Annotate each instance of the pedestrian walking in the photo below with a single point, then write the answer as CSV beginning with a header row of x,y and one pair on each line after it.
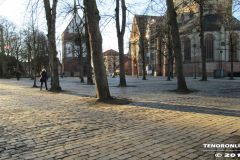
x,y
43,78
18,75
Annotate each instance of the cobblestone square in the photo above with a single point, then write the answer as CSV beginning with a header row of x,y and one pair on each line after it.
x,y
157,124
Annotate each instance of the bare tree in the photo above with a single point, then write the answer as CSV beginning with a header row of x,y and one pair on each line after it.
x,y
204,71
182,86
95,38
88,49
80,36
120,34
51,21
9,31
2,56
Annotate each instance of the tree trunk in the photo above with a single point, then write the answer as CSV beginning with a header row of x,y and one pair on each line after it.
x,y
232,52
29,66
159,57
80,68
170,52
95,38
35,65
34,54
143,58
80,51
80,60
182,86
114,66
51,21
89,66
172,58
120,35
32,69
169,70
204,72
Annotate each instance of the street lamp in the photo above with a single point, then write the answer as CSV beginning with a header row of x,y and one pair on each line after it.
x,y
220,62
7,76
194,46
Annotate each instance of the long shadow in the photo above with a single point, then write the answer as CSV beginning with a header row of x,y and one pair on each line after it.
x,y
193,109
72,93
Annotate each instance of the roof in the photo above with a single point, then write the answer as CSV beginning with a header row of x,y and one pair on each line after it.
x,y
72,20
211,22
142,20
110,52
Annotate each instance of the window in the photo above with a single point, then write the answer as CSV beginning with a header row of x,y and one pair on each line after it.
x,y
69,51
209,47
187,49
234,44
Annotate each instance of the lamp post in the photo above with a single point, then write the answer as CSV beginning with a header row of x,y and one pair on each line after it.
x,y
220,63
7,48
194,46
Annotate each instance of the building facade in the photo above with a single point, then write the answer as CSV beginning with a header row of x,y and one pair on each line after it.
x,y
221,30
111,61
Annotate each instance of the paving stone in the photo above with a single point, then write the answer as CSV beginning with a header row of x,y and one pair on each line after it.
x,y
192,156
151,127
125,156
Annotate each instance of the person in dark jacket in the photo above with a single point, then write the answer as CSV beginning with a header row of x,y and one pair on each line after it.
x,y
44,78
18,75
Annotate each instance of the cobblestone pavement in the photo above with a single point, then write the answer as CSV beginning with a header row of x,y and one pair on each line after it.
x,y
158,124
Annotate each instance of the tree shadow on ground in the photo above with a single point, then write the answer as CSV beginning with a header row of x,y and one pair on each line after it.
x,y
193,109
94,102
189,91
83,83
70,93
124,86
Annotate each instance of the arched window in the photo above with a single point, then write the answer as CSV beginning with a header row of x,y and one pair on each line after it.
x,y
187,49
233,43
209,47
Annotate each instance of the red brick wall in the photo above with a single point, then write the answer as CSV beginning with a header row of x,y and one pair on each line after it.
x,y
71,64
210,67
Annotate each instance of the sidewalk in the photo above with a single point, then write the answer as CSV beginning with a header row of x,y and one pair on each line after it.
x,y
158,124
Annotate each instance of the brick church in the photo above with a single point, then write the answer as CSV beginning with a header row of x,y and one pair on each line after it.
x,y
217,33
71,48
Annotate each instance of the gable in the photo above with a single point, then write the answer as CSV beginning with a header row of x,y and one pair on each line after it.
x,y
135,31
71,25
